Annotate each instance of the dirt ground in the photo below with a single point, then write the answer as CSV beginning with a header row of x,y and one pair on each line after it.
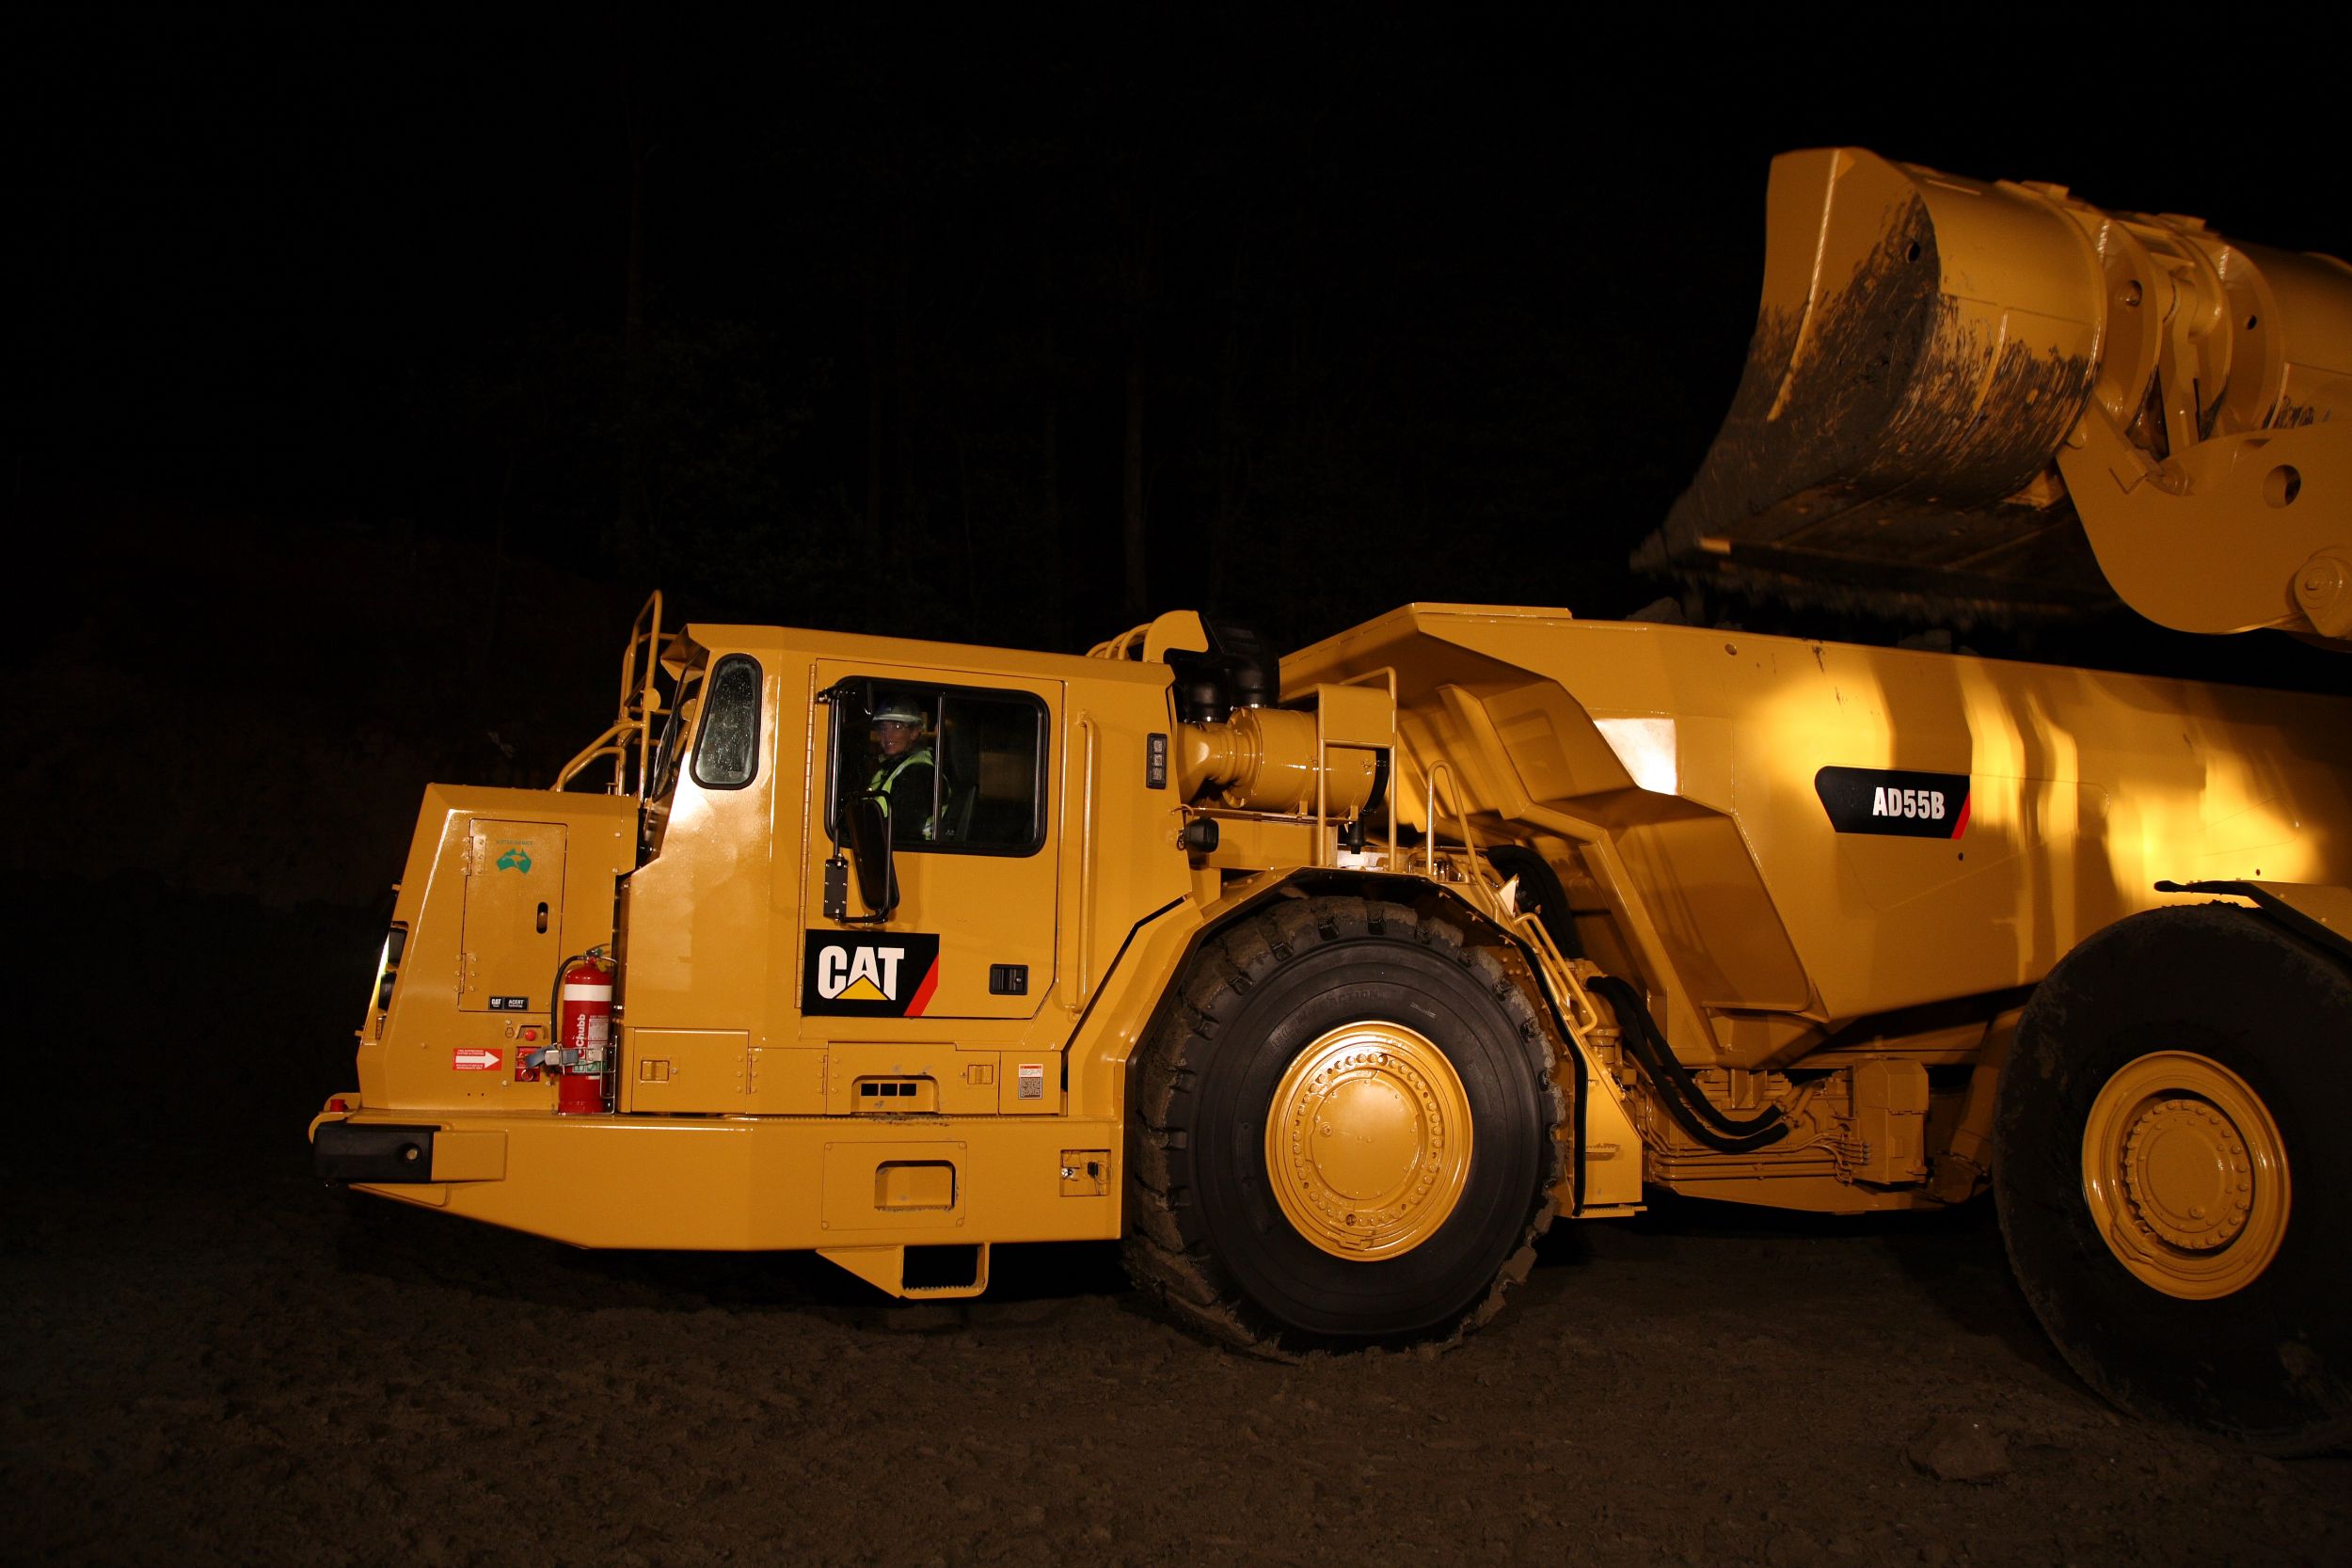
x,y
211,1359
218,1362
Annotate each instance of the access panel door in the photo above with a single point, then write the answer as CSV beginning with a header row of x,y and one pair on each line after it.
x,y
513,908
963,766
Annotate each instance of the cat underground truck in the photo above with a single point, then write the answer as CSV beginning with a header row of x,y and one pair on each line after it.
x,y
1328,982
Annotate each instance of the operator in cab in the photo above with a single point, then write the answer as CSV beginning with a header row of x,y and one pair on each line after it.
x,y
906,776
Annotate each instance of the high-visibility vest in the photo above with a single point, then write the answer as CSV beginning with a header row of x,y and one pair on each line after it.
x,y
886,778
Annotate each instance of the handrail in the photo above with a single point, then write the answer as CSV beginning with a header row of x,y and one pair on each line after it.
x,y
641,703
1123,646
1323,773
1461,815
1429,817
604,745
1555,967
649,694
1080,978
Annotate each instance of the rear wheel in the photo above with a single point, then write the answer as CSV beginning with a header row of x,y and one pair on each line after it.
x,y
1343,1132
2172,1187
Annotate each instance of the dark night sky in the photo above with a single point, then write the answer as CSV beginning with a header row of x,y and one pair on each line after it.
x,y
1405,279
321,343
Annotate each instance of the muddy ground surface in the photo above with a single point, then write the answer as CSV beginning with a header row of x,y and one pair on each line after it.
x,y
223,1365
211,1359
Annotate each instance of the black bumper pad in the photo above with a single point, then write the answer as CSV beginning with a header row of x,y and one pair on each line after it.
x,y
372,1151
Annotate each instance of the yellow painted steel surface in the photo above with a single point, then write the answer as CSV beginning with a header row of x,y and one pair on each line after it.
x,y
722,1076
986,909
1684,765
1369,1141
2186,1176
471,932
1954,381
512,937
715,922
752,1183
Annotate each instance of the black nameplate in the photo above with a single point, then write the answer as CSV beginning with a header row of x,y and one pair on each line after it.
x,y
1895,803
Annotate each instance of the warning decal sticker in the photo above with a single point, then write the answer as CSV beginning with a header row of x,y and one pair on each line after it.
x,y
869,976
1892,801
474,1060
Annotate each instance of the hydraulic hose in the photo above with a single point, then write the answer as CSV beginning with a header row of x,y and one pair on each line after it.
x,y
1677,1089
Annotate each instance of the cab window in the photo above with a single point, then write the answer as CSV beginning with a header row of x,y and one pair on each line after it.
x,y
958,770
726,752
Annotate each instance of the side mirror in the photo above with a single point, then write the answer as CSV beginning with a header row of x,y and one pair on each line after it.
x,y
869,845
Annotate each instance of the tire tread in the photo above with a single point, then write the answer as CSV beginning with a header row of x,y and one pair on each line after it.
x,y
1165,1252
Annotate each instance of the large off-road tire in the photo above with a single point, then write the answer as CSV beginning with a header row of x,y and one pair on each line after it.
x,y
1341,1131
2174,1173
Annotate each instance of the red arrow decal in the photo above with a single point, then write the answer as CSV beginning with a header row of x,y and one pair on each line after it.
x,y
473,1061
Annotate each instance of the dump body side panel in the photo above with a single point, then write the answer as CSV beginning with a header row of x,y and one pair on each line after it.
x,y
2061,794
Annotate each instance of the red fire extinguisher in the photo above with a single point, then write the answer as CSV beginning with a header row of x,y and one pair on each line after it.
x,y
583,1035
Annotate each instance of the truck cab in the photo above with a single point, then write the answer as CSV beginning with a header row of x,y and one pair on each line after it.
x,y
784,1071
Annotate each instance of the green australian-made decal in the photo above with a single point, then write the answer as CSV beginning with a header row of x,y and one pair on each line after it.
x,y
516,859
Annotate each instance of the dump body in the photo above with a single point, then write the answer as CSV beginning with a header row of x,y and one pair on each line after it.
x,y
1710,772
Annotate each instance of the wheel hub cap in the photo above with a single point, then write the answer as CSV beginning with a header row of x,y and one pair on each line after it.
x,y
2186,1175
1368,1141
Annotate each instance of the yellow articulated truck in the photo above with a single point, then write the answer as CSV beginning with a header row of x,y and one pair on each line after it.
x,y
1328,982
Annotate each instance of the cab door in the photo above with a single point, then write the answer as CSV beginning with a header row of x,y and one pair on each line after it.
x,y
974,934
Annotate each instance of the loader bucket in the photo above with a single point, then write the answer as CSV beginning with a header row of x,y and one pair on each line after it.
x,y
1923,346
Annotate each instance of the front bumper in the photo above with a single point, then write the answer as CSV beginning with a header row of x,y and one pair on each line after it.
x,y
740,1184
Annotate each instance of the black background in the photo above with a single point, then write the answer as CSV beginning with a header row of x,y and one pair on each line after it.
x,y
339,461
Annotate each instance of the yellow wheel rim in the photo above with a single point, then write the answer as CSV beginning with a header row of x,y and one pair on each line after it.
x,y
2186,1175
1368,1141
